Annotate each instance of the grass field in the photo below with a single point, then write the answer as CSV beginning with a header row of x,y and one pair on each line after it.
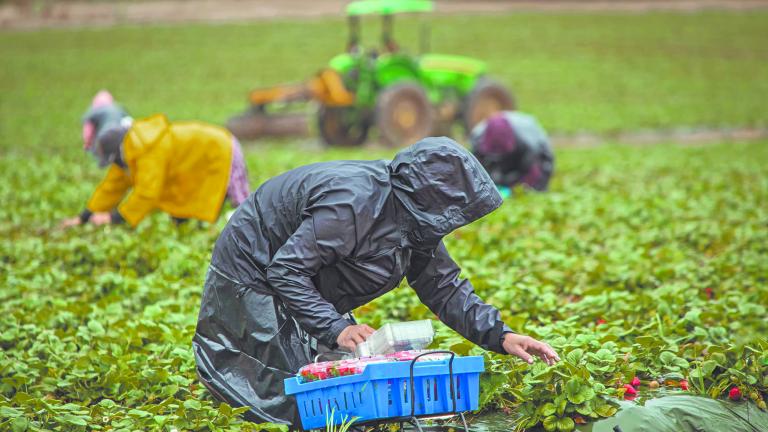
x,y
642,261
576,72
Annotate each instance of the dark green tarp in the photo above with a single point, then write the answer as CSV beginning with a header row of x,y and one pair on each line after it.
x,y
684,413
674,413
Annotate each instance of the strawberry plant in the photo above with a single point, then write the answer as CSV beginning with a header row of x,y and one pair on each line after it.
x,y
641,262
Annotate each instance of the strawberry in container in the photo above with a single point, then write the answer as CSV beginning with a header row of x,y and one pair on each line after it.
x,y
410,355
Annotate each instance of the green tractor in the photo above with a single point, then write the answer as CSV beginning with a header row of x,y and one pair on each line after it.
x,y
405,97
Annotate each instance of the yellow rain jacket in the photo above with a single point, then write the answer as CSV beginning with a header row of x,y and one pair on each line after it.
x,y
181,168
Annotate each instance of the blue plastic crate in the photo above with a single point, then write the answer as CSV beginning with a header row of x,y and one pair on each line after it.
x,y
383,391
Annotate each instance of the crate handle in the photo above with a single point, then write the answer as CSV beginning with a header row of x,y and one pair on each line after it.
x,y
450,379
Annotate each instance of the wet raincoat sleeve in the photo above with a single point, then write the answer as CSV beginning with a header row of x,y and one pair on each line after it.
x,y
149,177
110,191
437,283
326,235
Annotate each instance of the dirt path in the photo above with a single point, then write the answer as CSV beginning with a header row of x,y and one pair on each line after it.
x,y
681,136
33,14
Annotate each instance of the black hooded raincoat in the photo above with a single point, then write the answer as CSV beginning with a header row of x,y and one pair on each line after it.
x,y
321,240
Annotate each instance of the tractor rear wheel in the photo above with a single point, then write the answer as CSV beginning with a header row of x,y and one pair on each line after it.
x,y
487,98
342,126
404,114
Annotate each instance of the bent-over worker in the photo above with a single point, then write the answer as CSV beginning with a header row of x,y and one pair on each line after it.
x,y
184,169
515,150
318,241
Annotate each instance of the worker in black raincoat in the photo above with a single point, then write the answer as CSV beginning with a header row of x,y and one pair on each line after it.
x,y
318,241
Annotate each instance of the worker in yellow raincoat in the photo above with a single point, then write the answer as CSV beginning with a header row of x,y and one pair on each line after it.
x,y
184,169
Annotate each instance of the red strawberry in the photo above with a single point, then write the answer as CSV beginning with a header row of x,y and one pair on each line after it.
x,y
630,392
601,321
636,382
734,394
710,292
684,385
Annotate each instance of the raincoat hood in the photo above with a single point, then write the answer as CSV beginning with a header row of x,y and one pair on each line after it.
x,y
99,119
146,133
441,187
108,148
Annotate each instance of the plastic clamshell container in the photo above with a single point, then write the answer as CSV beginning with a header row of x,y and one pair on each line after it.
x,y
393,337
383,391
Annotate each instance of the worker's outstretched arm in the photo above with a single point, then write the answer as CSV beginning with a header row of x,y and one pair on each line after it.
x,y
149,181
105,198
110,191
436,281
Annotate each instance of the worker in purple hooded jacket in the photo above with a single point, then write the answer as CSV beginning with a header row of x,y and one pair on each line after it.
x,y
515,150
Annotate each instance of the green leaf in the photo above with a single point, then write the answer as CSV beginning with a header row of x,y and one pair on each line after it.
x,y
585,409
704,370
565,424
96,328
548,409
72,419
693,315
225,409
577,391
587,393
667,357
19,424
675,376
647,341
550,423
462,348
192,404
606,410
8,412
271,427
573,385
604,355
560,404
574,357
139,413
107,403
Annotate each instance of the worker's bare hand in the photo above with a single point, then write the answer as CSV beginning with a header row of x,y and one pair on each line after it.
x,y
353,335
100,218
70,222
526,347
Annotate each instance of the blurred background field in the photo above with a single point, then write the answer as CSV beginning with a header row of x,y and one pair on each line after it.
x,y
600,72
95,324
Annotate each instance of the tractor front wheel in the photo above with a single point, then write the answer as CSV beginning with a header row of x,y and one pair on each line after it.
x,y
342,126
403,114
487,98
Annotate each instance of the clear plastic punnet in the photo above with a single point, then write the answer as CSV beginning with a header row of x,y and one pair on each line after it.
x,y
394,337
